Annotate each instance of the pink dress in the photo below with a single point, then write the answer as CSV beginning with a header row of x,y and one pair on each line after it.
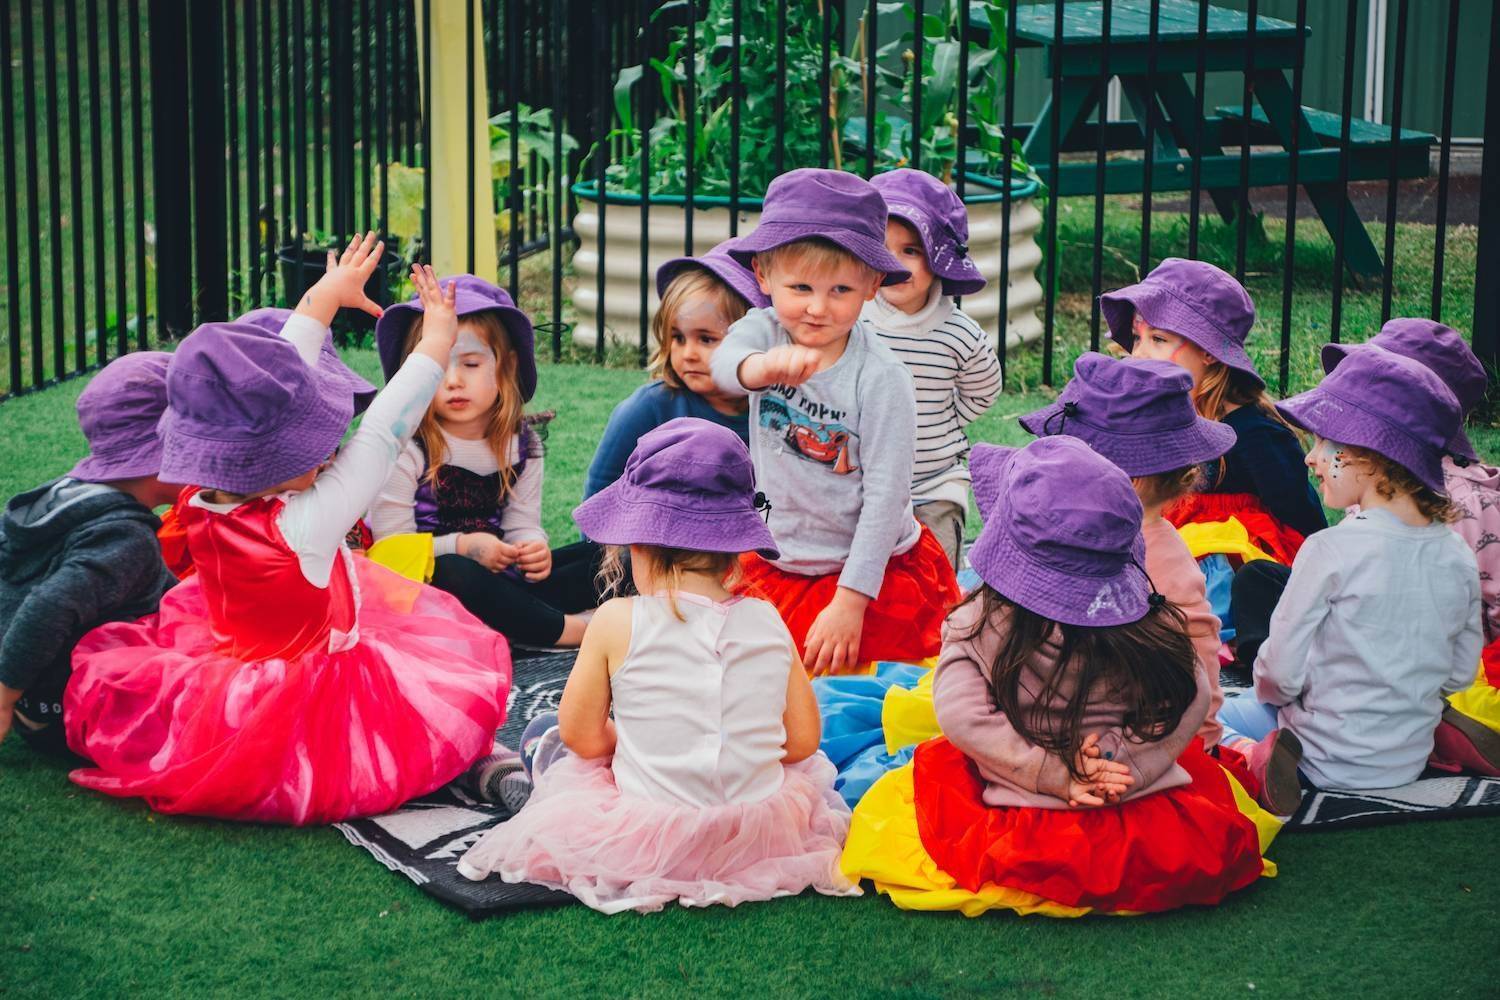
x,y
695,806
254,694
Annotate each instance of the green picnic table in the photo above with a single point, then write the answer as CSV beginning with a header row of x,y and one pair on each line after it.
x,y
1178,126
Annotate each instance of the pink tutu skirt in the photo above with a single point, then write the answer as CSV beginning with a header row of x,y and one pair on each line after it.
x,y
615,852
317,738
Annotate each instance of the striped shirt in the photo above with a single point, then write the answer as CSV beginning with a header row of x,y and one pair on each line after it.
x,y
957,377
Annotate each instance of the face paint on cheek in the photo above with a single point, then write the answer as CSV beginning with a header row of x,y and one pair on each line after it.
x,y
1337,460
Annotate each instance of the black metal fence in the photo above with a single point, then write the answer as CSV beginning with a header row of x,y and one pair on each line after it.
x,y
167,162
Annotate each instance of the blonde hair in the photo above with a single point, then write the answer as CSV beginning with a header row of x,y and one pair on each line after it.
x,y
690,284
666,564
1164,487
813,255
505,416
1393,479
1223,387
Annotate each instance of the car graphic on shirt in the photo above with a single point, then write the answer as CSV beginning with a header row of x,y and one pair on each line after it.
x,y
816,441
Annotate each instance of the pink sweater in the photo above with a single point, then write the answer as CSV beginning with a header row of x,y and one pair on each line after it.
x,y
1176,574
1475,490
1017,772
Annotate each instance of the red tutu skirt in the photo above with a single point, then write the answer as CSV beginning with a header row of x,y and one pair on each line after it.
x,y
903,623
1173,848
318,738
172,536
1264,530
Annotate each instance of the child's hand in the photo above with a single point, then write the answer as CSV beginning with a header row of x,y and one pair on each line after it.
x,y
439,320
8,698
1103,779
833,640
343,284
784,365
487,550
534,558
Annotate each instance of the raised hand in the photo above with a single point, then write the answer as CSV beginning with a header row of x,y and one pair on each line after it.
x,y
343,283
439,319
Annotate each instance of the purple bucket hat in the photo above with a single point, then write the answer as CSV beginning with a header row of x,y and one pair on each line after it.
x,y
1192,299
1062,532
245,412
930,206
1138,414
473,295
272,319
688,485
118,412
1390,404
1441,349
832,205
721,265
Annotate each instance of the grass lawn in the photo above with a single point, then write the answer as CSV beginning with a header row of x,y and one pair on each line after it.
x,y
106,898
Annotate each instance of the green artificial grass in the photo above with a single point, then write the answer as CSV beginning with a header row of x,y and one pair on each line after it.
x,y
105,898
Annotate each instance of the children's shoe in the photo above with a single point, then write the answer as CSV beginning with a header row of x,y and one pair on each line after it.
x,y
1462,744
1274,761
500,779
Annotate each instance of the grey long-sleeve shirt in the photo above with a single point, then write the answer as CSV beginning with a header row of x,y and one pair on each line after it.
x,y
833,455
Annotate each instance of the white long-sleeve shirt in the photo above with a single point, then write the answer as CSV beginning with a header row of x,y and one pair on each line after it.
x,y
394,513
1379,621
315,521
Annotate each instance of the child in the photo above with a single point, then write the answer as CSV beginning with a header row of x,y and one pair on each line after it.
x,y
700,298
1068,779
955,369
1380,616
81,550
1195,315
705,786
1468,738
833,431
1140,416
288,681
470,481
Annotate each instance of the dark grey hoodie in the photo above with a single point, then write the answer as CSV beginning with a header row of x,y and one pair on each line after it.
x,y
73,555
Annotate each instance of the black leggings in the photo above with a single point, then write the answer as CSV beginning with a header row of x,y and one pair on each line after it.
x,y
528,613
1256,589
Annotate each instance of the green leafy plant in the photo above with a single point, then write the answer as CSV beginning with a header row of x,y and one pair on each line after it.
x,y
534,138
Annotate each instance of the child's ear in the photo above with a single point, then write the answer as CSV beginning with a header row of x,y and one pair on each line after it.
x,y
761,277
876,280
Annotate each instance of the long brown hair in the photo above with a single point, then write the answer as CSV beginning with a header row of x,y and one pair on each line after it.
x,y
505,416
1148,665
667,565
691,283
1223,387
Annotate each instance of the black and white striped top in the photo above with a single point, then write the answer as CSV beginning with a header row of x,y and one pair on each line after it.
x,y
957,377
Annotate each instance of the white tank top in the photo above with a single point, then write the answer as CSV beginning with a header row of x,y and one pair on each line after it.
x,y
698,704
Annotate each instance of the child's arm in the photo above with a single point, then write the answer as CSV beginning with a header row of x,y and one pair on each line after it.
x,y
979,379
583,713
1148,760
521,522
753,357
631,418
804,727
1470,642
1282,665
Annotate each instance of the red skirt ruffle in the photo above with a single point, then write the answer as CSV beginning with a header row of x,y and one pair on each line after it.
x,y
1186,845
904,622
1270,534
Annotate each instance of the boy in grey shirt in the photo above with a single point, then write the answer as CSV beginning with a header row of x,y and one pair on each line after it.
x,y
832,432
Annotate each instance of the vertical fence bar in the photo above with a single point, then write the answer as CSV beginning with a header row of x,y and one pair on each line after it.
x,y
96,177
872,84
1049,296
171,167
339,110
469,170
319,112
8,149
919,42
383,122
265,225
644,119
232,107
1153,35
117,163
1195,201
288,219
138,172
780,95
514,48
602,121
1242,212
559,171
1440,236
1393,182
825,80
54,190
210,238
75,199
736,16
252,154
299,86
1486,329
1006,170
367,221
427,128
1290,251
33,199
1335,323
1106,27
960,148
690,174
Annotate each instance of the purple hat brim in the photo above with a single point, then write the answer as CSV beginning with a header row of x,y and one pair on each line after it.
x,y
1334,418
740,279
770,235
956,281
142,460
297,445
1459,444
611,517
395,323
1165,311
1140,454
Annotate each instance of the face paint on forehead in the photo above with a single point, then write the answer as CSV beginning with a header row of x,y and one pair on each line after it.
x,y
467,343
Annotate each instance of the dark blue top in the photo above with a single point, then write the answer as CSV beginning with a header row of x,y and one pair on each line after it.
x,y
1267,460
650,406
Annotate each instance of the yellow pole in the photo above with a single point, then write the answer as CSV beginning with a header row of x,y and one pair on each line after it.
x,y
449,243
